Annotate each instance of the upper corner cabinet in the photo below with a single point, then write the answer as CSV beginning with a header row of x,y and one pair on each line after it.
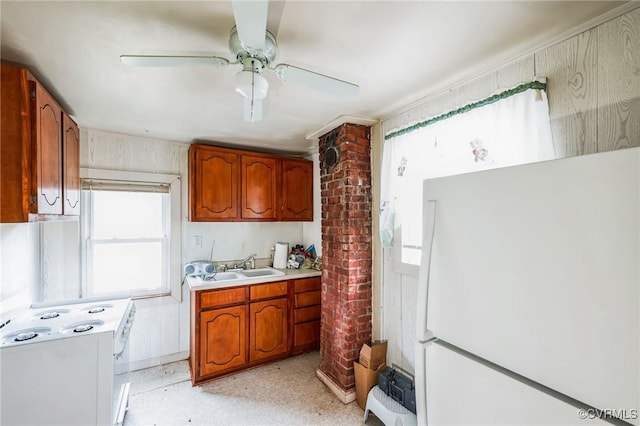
x,y
297,190
235,185
71,160
33,166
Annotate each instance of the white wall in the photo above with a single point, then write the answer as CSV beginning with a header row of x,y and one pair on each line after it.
x,y
59,260
19,265
312,231
237,240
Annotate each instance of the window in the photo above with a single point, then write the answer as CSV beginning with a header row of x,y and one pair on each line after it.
x,y
507,129
130,233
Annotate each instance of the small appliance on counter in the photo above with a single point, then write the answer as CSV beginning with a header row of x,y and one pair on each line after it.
x,y
200,268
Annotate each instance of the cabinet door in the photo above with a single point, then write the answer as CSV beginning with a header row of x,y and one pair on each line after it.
x,y
47,137
223,339
71,175
268,329
306,336
259,187
214,183
15,145
297,190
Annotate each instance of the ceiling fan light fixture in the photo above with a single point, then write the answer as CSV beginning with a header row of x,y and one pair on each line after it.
x,y
251,85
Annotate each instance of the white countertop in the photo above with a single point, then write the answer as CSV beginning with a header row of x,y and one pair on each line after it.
x,y
197,283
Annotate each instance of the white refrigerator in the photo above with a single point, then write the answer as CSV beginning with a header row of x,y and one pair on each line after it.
x,y
529,295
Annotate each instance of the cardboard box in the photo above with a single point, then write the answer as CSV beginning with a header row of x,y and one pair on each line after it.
x,y
366,379
374,355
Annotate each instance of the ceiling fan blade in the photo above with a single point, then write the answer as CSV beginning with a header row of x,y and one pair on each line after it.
x,y
274,16
316,81
252,110
172,61
251,22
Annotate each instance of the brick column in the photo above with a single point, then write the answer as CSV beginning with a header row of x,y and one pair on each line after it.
x,y
346,256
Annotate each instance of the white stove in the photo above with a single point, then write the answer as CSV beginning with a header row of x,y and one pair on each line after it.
x,y
54,354
43,322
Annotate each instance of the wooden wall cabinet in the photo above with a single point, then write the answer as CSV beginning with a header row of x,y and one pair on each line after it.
x,y
71,162
213,183
297,199
259,187
235,185
240,327
47,148
34,162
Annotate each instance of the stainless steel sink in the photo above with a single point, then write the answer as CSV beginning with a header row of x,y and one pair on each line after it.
x,y
239,275
262,272
226,276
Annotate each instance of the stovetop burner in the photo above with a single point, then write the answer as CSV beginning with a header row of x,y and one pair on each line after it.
x,y
46,315
25,334
96,309
82,326
28,335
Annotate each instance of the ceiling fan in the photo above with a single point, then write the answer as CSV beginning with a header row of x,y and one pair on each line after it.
x,y
255,49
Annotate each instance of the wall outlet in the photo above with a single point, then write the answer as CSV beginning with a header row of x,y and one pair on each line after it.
x,y
197,240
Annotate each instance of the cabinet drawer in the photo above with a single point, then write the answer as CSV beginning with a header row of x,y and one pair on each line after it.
x,y
307,299
264,291
229,296
306,334
307,284
307,314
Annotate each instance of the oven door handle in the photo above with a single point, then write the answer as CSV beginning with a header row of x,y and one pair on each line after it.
x,y
124,347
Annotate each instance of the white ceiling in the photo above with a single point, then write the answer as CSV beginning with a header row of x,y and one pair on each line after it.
x,y
396,51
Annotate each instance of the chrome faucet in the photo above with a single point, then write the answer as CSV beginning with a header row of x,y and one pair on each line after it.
x,y
251,259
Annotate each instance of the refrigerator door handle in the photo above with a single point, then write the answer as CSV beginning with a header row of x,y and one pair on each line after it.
x,y
421,380
428,230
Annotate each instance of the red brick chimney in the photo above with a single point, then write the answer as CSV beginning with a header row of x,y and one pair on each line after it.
x,y
345,180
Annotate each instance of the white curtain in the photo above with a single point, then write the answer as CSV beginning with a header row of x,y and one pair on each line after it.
x,y
514,130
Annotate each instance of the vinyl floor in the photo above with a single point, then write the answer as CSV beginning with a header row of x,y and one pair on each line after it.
x,y
282,393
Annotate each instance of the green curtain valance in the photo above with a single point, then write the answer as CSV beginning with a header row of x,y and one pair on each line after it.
x,y
535,85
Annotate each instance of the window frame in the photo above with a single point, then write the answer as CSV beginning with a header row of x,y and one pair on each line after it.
x,y
399,266
174,239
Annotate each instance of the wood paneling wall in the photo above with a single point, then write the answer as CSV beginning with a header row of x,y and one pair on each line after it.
x,y
594,87
594,104
571,71
105,150
619,82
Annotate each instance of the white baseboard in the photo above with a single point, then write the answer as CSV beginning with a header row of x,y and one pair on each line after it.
x,y
154,362
344,396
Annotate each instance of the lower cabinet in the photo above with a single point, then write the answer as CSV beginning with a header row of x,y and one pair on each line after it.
x,y
240,327
306,314
268,329
223,341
